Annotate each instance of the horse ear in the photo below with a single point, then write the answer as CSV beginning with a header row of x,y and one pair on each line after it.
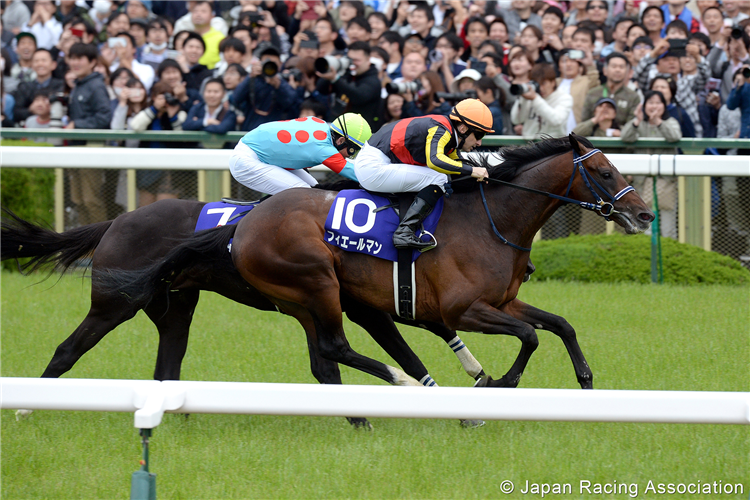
x,y
574,143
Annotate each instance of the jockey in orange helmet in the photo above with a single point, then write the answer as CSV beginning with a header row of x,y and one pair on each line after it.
x,y
394,159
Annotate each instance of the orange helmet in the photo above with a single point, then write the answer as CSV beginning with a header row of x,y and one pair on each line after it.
x,y
474,114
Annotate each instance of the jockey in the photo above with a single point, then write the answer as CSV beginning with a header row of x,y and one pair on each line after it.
x,y
418,155
271,157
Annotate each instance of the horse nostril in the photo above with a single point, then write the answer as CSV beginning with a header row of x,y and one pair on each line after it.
x,y
646,216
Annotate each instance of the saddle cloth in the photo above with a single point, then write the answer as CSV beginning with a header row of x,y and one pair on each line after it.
x,y
360,221
219,213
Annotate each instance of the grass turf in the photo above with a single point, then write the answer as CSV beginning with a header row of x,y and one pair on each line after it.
x,y
634,337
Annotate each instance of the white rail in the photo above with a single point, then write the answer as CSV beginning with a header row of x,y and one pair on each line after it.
x,y
150,399
218,159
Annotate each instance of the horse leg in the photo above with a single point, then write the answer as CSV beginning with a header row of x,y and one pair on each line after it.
x,y
560,327
381,328
482,317
468,361
101,319
172,318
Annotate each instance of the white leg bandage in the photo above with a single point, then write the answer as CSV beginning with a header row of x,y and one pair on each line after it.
x,y
427,381
468,361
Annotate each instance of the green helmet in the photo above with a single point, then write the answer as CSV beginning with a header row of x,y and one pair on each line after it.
x,y
354,128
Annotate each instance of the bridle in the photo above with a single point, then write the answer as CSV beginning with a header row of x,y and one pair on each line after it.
x,y
604,208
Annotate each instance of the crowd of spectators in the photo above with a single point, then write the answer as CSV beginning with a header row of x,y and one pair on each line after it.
x,y
594,67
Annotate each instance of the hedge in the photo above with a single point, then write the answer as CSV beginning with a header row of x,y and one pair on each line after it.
x,y
28,192
622,258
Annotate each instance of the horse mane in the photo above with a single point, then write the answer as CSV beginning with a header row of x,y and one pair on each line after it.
x,y
516,157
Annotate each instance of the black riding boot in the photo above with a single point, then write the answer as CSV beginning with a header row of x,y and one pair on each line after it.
x,y
404,236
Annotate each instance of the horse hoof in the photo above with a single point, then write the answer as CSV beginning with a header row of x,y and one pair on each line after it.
x,y
360,423
471,424
23,414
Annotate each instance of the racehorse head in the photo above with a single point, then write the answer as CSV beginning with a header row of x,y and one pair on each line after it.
x,y
595,179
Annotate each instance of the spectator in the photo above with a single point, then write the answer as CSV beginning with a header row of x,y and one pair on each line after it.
x,y
43,64
532,39
736,52
327,35
137,9
138,30
598,11
124,50
652,21
158,43
15,15
170,72
653,120
477,32
118,81
360,88
88,108
584,39
603,123
577,12
23,71
232,51
232,77
213,115
713,21
43,24
393,107
163,114
640,49
739,98
67,10
201,15
99,14
185,23
311,107
250,41
545,111
491,96
520,64
465,81
413,65
6,106
264,99
425,103
574,81
619,37
634,32
118,22
40,116
193,48
677,9
345,12
393,44
448,63
132,98
732,11
378,25
567,36
421,21
616,70
518,17
305,44
668,88
358,30
553,21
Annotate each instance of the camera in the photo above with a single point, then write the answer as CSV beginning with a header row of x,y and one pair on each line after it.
x,y
678,43
403,87
435,56
270,69
745,73
456,96
338,64
58,109
171,100
292,74
253,19
576,54
522,88
737,32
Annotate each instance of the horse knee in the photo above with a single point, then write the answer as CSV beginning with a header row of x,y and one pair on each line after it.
x,y
337,350
529,338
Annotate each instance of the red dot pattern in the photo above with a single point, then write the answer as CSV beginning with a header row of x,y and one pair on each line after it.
x,y
300,119
284,136
319,134
302,136
317,120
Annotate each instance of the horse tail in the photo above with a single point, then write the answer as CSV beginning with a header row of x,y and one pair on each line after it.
x,y
207,249
23,239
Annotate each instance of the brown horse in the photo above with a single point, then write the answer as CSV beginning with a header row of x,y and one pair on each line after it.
x,y
469,282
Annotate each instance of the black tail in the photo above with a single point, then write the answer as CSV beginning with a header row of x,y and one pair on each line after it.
x,y
21,239
205,249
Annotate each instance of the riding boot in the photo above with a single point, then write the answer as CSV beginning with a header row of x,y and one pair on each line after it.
x,y
421,207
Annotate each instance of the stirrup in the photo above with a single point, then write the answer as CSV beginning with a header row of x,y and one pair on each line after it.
x,y
433,242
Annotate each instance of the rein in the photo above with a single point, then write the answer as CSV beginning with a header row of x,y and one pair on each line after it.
x,y
603,208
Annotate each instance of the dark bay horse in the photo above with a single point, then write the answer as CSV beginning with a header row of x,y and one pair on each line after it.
x,y
135,240
469,282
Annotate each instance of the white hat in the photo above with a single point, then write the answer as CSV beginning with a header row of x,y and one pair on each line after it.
x,y
467,73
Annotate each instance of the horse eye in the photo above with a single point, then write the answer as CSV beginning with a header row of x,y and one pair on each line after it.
x,y
607,175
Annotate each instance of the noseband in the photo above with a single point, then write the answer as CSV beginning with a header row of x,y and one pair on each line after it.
x,y
601,207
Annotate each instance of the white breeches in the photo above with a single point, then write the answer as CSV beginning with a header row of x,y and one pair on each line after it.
x,y
262,177
375,172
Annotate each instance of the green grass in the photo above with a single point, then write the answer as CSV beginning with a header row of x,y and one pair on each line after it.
x,y
634,336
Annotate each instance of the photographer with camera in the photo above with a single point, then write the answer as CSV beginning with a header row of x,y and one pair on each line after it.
x,y
544,109
124,47
739,97
359,87
575,81
728,54
265,96
420,97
